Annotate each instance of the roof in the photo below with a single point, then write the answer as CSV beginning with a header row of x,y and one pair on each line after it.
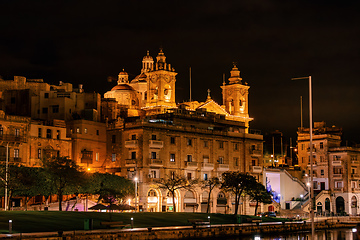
x,y
122,87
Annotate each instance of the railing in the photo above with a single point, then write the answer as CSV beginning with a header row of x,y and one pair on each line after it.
x,y
10,159
156,162
355,175
208,165
354,162
337,175
130,161
338,189
336,162
257,169
223,167
131,144
156,144
191,164
12,138
255,152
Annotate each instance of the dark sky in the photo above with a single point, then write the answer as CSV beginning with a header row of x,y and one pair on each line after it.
x,y
271,41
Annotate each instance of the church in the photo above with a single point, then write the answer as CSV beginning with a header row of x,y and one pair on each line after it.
x,y
150,136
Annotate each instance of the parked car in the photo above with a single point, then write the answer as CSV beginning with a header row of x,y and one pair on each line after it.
x,y
268,214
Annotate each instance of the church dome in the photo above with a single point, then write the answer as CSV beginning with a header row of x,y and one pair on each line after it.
x,y
123,87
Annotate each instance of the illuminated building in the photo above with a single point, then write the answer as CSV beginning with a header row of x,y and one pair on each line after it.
x,y
149,136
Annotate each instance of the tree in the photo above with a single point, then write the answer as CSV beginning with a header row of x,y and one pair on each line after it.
x,y
64,175
258,193
209,185
236,183
109,187
173,183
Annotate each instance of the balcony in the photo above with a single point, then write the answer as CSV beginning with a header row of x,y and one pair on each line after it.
x,y
131,144
256,169
336,163
338,189
130,162
207,166
337,175
355,190
256,152
156,162
355,175
355,162
12,138
308,150
223,167
156,144
191,165
10,159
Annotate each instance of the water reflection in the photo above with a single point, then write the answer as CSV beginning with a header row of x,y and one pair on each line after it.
x,y
336,234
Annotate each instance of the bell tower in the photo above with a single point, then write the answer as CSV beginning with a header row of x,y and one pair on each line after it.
x,y
161,85
235,96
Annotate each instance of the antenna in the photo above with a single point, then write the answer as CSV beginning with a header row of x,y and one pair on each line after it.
x,y
301,112
190,84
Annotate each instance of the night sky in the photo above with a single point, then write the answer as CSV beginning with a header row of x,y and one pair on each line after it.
x,y
271,41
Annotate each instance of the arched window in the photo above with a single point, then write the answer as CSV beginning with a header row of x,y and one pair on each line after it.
x,y
152,193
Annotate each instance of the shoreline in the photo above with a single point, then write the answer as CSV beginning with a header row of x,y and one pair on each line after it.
x,y
184,232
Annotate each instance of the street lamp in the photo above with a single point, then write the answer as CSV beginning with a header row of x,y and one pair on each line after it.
x,y
311,158
135,179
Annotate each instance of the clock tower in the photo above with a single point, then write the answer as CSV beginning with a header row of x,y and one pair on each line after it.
x,y
161,85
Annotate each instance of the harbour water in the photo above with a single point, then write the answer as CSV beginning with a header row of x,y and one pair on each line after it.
x,y
333,234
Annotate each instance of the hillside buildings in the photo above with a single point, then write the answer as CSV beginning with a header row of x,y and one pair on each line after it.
x,y
335,170
137,131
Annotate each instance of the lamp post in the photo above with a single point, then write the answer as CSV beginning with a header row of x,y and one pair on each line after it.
x,y
311,158
135,179
6,176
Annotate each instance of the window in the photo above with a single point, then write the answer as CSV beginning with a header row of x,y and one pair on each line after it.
x,y
221,144
133,155
46,95
353,171
48,133
302,159
39,132
236,161
153,155
55,108
253,162
302,146
39,153
57,134
1,130
205,176
189,158
221,160
236,146
322,172
113,138
322,159
16,153
321,145
113,157
189,176
189,142
338,184
154,174
85,130
206,144
17,132
77,130
133,137
45,110
153,137
97,132
97,156
205,159
172,140
337,170
172,157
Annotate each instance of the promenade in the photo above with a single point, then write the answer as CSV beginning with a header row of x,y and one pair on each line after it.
x,y
182,232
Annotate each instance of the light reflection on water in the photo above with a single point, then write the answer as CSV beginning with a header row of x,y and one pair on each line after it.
x,y
334,234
